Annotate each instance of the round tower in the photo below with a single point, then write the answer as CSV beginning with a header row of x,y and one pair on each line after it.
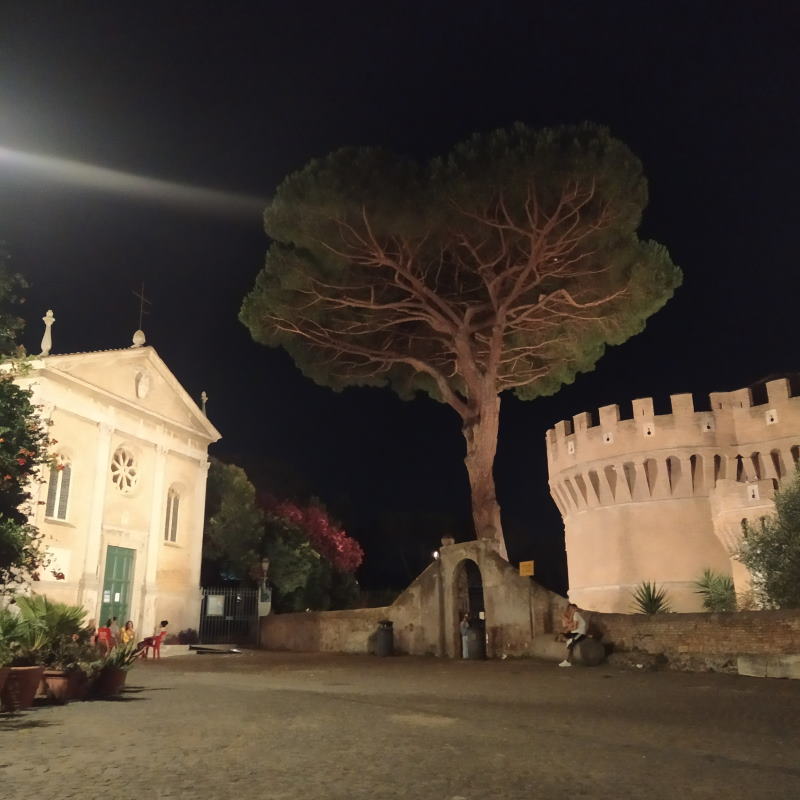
x,y
662,497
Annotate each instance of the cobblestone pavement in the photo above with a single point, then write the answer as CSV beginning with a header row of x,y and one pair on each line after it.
x,y
268,725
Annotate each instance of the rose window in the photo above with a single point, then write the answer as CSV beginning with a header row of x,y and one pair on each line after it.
x,y
124,472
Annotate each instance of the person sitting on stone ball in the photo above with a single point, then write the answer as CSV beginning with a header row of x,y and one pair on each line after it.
x,y
576,627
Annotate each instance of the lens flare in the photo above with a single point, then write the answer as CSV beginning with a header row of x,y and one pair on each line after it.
x,y
103,179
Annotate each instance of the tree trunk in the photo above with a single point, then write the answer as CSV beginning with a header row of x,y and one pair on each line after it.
x,y
480,433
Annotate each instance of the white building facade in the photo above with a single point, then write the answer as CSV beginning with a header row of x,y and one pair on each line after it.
x,y
122,505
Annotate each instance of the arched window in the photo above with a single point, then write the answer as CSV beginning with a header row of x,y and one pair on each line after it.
x,y
171,518
58,489
756,459
696,464
673,472
777,463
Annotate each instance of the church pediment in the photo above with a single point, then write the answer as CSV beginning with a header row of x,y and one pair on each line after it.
x,y
135,377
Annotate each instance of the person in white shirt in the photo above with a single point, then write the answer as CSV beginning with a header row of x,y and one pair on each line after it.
x,y
576,628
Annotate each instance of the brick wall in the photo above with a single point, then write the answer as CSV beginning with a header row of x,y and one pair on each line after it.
x,y
704,635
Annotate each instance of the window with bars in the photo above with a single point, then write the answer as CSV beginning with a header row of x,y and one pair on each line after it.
x,y
58,490
171,519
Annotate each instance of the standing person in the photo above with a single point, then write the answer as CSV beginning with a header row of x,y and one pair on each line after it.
x,y
104,640
464,629
575,629
114,629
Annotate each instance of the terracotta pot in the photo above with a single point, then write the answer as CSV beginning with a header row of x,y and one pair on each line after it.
x,y
110,682
4,673
80,687
61,685
20,688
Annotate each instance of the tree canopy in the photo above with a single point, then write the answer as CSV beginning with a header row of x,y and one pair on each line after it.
x,y
509,264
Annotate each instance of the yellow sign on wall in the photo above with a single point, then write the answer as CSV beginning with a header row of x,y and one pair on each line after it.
x,y
526,568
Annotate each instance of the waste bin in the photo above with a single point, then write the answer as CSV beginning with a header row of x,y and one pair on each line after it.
x,y
384,638
476,642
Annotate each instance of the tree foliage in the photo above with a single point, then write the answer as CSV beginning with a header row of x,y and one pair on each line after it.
x,y
510,264
234,526
770,549
23,451
311,558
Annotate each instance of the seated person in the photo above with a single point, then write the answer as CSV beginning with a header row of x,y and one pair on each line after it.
x,y
576,627
127,634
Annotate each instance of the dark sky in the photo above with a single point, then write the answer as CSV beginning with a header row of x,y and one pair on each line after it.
x,y
235,95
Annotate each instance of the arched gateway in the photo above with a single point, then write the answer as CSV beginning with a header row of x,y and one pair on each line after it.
x,y
467,587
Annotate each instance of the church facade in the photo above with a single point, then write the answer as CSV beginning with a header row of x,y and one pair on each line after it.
x,y
122,502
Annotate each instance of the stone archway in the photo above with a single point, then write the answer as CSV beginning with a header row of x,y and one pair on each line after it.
x,y
467,598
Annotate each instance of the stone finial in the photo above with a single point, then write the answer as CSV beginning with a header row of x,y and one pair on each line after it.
x,y
138,338
47,339
203,401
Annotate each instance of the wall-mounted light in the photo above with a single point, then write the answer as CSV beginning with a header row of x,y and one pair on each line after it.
x,y
435,555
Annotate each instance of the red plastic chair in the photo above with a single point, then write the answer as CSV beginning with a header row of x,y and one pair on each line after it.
x,y
155,643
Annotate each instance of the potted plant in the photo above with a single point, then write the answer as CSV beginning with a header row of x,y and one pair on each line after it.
x,y
5,660
49,635
25,643
113,670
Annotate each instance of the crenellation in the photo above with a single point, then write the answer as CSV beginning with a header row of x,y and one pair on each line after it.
x,y
682,404
643,408
563,429
778,391
581,422
609,416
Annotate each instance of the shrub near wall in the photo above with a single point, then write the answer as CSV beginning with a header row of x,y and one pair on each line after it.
x,y
697,641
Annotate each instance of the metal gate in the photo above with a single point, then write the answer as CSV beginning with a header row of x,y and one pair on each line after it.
x,y
229,616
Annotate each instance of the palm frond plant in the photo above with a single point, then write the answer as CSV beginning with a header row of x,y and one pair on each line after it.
x,y
51,631
717,590
648,598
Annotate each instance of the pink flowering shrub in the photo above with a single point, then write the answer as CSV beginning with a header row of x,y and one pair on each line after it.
x,y
328,538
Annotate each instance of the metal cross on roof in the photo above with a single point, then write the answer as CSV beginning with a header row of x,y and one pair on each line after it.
x,y
143,301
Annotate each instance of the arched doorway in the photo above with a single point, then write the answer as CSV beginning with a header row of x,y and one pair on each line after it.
x,y
468,599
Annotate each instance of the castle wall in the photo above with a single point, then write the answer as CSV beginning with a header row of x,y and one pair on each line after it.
x,y
662,497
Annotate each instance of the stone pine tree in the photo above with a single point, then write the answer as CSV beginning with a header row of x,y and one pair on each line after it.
x,y
509,264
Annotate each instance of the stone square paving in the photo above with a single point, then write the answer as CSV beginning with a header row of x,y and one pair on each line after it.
x,y
272,725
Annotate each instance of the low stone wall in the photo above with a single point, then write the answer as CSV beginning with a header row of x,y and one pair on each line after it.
x,y
322,631
698,641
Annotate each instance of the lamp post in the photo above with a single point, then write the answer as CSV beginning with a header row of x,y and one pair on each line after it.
x,y
264,596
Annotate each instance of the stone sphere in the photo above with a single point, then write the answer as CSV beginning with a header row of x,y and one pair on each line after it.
x,y
588,653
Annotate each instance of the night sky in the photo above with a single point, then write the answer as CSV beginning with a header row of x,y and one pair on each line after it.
x,y
233,96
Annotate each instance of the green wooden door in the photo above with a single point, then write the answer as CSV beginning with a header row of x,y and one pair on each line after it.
x,y
117,585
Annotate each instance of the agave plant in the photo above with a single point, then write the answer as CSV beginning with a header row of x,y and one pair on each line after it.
x,y
717,590
648,598
123,656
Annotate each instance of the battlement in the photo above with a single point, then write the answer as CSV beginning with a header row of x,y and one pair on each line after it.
x,y
735,418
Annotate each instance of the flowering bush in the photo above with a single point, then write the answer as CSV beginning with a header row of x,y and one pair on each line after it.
x,y
329,539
